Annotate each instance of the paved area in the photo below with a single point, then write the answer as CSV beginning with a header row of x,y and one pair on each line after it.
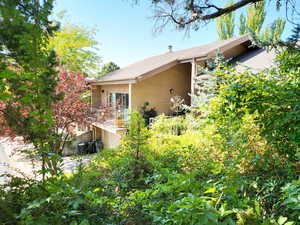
x,y
13,161
4,164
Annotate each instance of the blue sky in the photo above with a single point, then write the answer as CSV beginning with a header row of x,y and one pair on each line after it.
x,y
125,30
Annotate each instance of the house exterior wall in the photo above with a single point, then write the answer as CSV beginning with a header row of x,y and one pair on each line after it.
x,y
110,140
96,96
100,92
156,89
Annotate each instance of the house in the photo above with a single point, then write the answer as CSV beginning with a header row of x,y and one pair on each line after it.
x,y
156,80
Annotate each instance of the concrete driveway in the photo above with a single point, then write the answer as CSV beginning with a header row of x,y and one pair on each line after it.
x,y
14,162
4,163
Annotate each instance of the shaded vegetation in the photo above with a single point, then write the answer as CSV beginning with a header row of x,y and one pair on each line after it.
x,y
237,165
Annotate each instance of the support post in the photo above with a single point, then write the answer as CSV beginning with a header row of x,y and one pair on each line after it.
x,y
193,76
130,97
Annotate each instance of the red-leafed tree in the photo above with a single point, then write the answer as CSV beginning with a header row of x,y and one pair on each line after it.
x,y
67,113
71,111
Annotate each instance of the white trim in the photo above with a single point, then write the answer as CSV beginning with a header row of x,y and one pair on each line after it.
x,y
115,82
110,129
193,76
130,96
192,59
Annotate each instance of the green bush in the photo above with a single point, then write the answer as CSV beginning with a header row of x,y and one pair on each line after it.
x,y
237,165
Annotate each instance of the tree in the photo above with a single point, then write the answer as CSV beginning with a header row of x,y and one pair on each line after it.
x,y
27,72
76,49
70,111
190,14
252,23
266,34
137,134
135,139
243,26
225,24
255,17
277,29
107,68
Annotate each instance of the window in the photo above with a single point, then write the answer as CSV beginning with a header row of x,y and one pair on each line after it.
x,y
119,100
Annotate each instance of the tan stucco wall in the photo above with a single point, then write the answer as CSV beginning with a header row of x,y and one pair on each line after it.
x,y
96,96
110,140
156,89
99,97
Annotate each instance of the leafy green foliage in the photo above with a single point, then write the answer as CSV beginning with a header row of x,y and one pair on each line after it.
x,y
292,198
76,49
238,164
256,15
27,72
277,116
137,134
251,23
225,24
243,26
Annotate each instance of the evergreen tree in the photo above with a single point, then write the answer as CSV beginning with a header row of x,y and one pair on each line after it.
x,y
107,68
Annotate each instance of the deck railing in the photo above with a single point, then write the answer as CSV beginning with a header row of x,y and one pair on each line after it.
x,y
111,115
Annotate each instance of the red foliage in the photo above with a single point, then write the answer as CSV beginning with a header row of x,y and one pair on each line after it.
x,y
71,110
4,129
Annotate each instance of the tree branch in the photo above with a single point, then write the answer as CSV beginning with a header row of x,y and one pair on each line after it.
x,y
186,12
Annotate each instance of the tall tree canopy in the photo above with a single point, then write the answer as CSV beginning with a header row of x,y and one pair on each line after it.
x,y
190,14
252,22
76,49
256,16
225,24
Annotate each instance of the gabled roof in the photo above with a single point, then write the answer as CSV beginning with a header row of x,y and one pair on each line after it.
x,y
256,59
155,64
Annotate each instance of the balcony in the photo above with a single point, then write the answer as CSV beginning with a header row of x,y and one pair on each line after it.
x,y
109,118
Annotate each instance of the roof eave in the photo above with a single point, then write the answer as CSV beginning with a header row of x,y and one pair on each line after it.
x,y
109,82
